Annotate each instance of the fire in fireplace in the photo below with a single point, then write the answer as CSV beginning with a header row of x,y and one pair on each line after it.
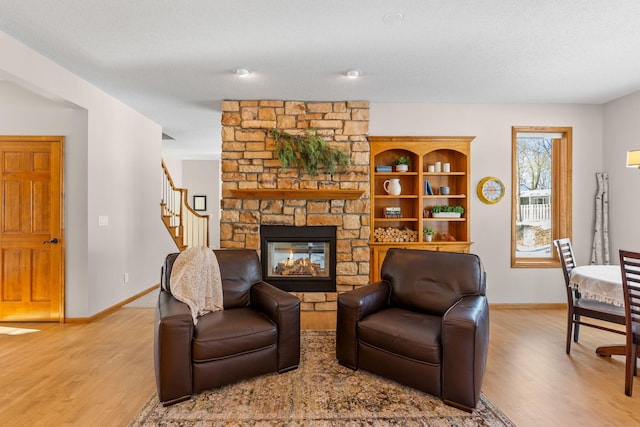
x,y
299,259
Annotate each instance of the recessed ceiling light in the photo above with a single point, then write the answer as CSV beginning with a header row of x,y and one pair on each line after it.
x,y
243,72
353,74
392,17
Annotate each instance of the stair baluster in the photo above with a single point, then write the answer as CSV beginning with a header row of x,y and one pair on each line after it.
x,y
187,227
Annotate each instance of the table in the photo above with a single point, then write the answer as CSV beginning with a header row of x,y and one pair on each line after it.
x,y
599,282
602,283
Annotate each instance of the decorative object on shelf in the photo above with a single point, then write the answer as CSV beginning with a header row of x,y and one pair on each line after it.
x,y
427,189
444,191
392,212
446,211
449,238
199,203
431,168
438,167
428,233
402,163
308,151
446,167
395,235
490,190
384,169
392,186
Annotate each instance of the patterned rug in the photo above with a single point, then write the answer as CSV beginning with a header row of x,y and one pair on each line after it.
x,y
319,393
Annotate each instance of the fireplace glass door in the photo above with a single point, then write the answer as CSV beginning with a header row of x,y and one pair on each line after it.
x,y
299,258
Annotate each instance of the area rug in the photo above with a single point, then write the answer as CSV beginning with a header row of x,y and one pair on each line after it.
x,y
319,393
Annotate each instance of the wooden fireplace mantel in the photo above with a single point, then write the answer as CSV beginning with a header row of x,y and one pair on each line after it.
x,y
295,194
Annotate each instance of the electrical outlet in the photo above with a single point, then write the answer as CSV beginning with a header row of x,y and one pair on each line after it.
x,y
126,278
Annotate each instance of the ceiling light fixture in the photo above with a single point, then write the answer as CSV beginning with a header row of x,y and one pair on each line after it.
x,y
353,74
243,72
392,17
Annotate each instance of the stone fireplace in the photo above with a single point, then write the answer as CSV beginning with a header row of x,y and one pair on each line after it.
x,y
267,194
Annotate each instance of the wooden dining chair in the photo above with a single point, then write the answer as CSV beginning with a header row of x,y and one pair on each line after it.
x,y
578,307
630,266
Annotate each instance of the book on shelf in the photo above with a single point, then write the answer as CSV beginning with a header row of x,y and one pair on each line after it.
x,y
427,189
392,212
383,169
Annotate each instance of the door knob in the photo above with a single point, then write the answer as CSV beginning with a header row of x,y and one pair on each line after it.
x,y
53,241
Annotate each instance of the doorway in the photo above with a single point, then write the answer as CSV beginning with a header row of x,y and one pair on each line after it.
x,y
31,229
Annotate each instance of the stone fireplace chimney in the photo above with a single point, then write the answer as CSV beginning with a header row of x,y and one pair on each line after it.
x,y
249,162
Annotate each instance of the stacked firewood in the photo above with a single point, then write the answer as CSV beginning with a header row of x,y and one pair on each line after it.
x,y
391,234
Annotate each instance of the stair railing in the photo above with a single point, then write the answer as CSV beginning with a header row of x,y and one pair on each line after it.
x,y
187,227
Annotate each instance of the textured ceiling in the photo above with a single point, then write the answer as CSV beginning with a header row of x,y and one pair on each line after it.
x,y
173,60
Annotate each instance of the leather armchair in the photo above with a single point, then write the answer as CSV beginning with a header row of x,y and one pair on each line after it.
x,y
424,325
258,331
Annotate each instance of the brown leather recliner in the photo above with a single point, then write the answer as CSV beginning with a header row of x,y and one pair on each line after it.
x,y
258,331
424,325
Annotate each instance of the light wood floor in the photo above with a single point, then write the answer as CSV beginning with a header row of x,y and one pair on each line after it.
x,y
102,373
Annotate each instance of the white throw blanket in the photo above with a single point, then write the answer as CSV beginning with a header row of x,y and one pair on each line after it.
x,y
195,281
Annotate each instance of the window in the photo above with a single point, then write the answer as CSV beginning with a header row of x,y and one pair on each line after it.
x,y
541,201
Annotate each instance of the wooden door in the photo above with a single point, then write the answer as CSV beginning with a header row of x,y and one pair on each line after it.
x,y
31,241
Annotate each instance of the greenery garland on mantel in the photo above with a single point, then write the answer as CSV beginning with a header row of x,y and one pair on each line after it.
x,y
308,151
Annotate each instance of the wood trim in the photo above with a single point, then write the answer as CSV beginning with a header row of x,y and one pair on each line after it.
x,y
561,203
326,320
521,306
111,309
420,139
289,194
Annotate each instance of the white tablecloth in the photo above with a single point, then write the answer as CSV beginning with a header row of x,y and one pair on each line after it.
x,y
599,282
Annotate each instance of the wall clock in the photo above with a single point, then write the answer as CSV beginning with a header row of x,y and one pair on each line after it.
x,y
490,190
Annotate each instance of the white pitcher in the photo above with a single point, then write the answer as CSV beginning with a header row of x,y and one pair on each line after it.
x,y
392,186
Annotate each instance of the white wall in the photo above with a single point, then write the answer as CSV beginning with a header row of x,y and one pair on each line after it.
x,y
202,177
621,134
112,163
174,166
24,113
491,156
